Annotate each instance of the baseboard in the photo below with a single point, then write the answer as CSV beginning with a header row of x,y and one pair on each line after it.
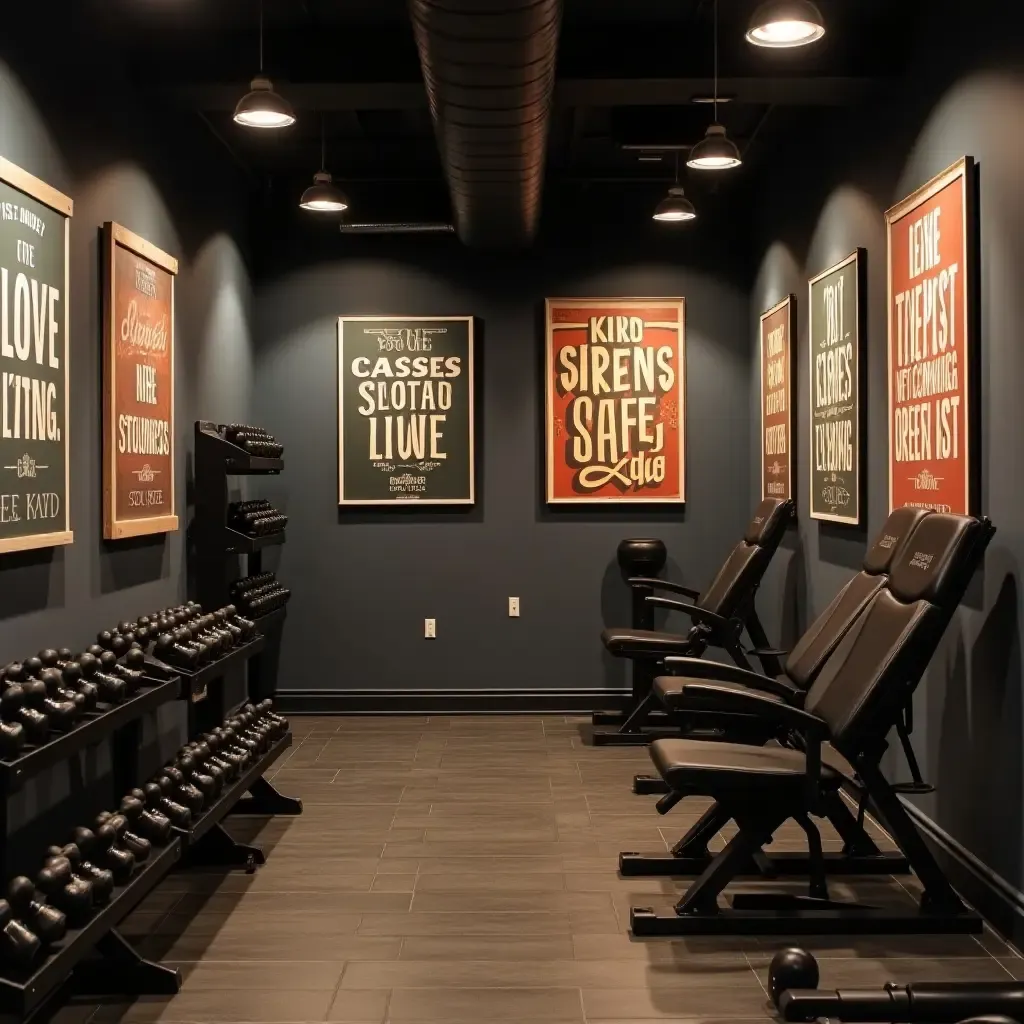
x,y
446,702
990,894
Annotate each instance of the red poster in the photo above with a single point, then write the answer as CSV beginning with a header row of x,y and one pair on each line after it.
x,y
777,401
616,400
930,345
138,388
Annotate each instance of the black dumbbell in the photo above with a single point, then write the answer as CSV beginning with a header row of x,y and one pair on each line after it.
x,y
46,922
101,879
14,711
155,827
66,890
207,784
100,847
186,793
18,943
62,714
158,800
112,690
137,845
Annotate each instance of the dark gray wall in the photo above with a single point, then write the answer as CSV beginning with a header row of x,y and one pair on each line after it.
x,y
827,198
363,582
120,156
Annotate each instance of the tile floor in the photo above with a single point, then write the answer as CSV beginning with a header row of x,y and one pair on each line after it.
x,y
464,870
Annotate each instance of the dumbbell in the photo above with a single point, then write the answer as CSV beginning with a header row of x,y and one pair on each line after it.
x,y
62,714
53,680
101,847
18,943
73,679
66,891
173,783
251,739
101,879
46,922
173,653
221,749
137,845
206,755
230,747
157,800
114,670
201,776
112,690
155,827
14,711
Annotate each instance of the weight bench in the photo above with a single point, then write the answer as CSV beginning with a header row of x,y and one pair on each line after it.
x,y
719,618
859,696
860,854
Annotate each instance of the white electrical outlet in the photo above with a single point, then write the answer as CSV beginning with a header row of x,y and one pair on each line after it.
x,y
513,607
430,629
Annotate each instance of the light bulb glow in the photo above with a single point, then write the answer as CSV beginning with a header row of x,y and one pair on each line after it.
x,y
715,152
674,208
323,196
779,24
261,107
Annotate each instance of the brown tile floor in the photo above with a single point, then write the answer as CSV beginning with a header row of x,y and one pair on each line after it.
x,y
464,870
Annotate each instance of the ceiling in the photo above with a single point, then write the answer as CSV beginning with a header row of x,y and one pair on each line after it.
x,y
627,75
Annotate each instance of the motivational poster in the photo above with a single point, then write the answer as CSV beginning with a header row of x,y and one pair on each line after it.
x,y
777,401
405,410
616,400
138,386
932,461
34,464
835,337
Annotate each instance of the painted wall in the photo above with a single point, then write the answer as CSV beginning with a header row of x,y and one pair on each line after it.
x,y
969,709
363,581
120,157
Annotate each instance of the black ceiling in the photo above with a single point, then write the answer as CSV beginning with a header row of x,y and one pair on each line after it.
x,y
628,72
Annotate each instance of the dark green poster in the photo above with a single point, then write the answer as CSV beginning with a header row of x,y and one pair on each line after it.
x,y
405,410
836,337
33,360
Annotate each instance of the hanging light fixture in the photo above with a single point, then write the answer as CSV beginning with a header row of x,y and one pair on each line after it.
x,y
323,196
779,24
675,207
716,151
261,107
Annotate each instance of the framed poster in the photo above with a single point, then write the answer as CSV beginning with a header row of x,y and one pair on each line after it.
x,y
138,386
932,237
405,410
615,373
835,333
34,426
777,325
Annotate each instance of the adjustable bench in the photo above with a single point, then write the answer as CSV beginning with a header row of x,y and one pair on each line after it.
x,y
860,854
858,698
719,618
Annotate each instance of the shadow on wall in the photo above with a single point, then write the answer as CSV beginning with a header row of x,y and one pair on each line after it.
x,y
979,756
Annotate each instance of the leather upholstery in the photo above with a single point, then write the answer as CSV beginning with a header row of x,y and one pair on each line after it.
x,y
681,763
770,516
922,571
645,643
893,536
669,688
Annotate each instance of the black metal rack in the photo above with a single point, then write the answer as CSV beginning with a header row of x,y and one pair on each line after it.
x,y
216,544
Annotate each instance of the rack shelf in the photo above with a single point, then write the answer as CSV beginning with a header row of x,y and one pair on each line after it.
x,y
20,994
193,685
238,543
236,460
91,730
267,622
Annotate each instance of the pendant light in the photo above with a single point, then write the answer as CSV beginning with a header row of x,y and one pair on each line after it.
x,y
261,107
716,151
675,207
778,24
323,196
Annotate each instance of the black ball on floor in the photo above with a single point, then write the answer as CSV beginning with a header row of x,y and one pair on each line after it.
x,y
791,968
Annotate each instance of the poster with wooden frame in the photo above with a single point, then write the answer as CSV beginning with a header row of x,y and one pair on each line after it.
x,y
406,392
932,367
35,465
778,367
615,400
836,385
138,386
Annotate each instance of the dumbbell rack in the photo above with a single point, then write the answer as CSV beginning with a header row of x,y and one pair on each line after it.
x,y
118,966
216,544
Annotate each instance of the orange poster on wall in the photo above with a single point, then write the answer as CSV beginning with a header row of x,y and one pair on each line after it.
x,y
616,400
930,353
138,388
777,401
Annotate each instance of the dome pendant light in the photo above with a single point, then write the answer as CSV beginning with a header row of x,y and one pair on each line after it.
x,y
261,107
779,24
323,196
716,151
675,207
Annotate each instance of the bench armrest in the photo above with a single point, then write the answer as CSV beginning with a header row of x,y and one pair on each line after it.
x,y
699,668
656,584
695,613
749,702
